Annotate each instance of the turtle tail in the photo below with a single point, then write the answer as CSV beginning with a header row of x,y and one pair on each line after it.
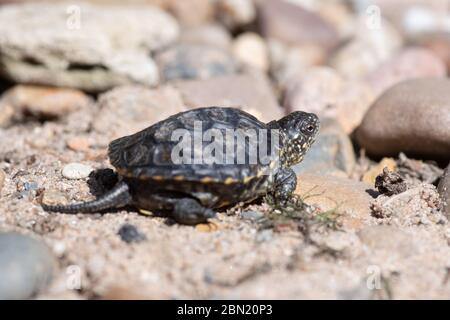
x,y
117,197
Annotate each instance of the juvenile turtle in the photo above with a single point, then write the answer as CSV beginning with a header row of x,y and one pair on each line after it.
x,y
160,169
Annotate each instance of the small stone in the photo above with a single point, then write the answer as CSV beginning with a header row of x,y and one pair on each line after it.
x,y
370,176
412,117
207,227
250,48
294,25
236,13
250,92
78,144
251,215
130,233
53,197
76,171
410,63
44,102
444,190
212,35
350,199
26,265
332,152
194,62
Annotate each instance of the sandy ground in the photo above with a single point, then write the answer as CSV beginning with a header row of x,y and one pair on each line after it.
x,y
404,253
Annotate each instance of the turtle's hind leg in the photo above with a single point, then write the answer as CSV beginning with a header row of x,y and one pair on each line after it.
x,y
190,211
117,197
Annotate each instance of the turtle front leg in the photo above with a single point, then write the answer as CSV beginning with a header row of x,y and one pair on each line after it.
x,y
285,182
190,211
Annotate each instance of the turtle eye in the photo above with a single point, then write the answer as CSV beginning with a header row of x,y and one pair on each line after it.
x,y
309,128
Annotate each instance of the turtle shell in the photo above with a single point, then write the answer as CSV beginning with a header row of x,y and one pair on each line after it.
x,y
148,154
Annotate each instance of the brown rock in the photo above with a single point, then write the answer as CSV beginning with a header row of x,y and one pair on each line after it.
x,y
78,144
411,117
349,198
46,102
126,110
408,64
251,92
294,25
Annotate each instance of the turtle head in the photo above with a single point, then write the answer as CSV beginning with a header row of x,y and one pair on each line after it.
x,y
299,130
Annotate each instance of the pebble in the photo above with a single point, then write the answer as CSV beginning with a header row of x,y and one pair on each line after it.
x,y
251,215
207,227
251,92
53,197
130,233
264,235
294,25
444,190
236,13
410,63
250,49
41,102
26,265
412,117
332,152
78,144
76,171
189,61
94,55
350,199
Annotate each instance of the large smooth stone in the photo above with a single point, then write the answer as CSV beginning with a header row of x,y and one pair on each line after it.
x,y
412,117
26,266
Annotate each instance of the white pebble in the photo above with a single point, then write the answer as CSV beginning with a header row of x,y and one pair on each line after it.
x,y
76,171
